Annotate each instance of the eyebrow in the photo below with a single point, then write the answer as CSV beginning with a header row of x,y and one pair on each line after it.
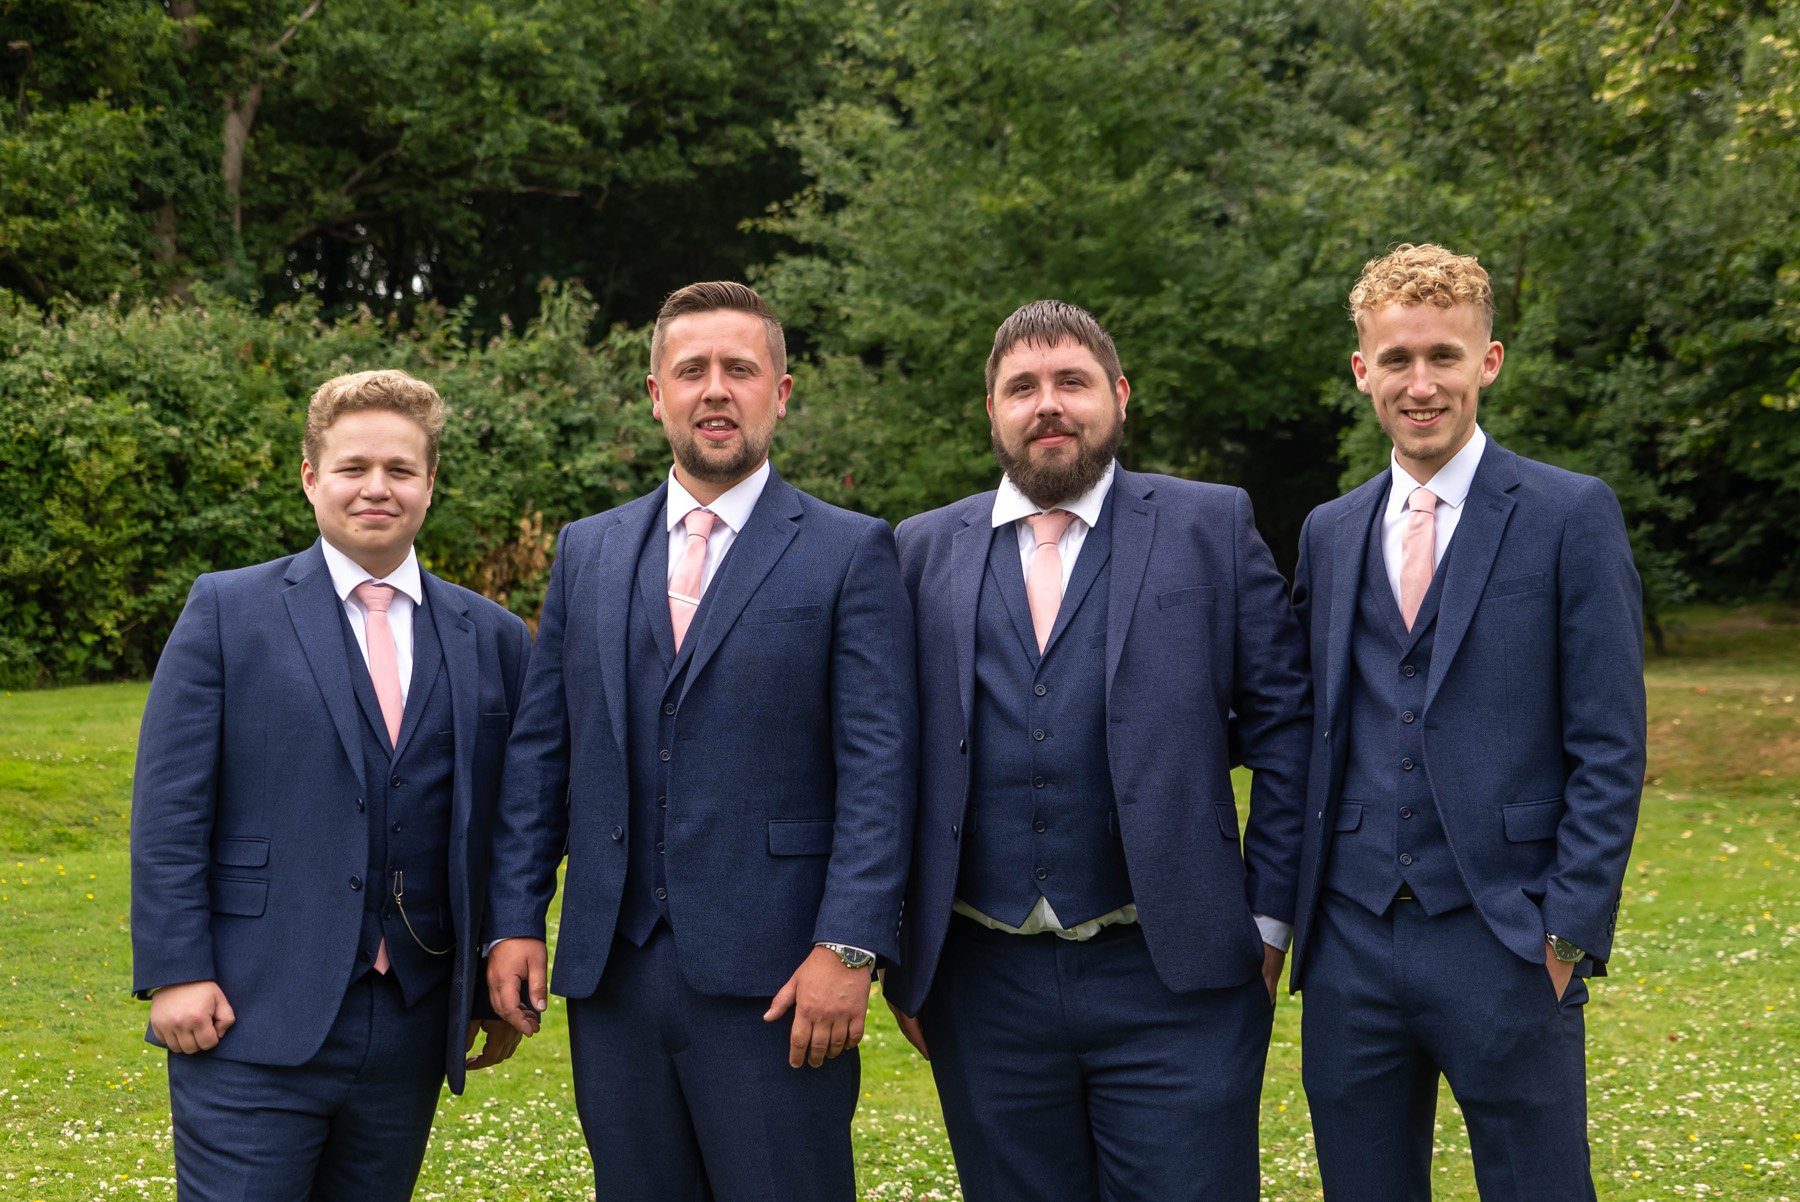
x,y
1436,348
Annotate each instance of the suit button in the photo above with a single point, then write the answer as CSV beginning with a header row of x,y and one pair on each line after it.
x,y
1406,716
1408,671
361,805
618,833
659,849
1040,690
395,783
668,707
962,745
1406,811
1406,765
662,803
1406,857
1040,826
954,831
1038,782
356,882
1043,874
662,894
1038,735
663,755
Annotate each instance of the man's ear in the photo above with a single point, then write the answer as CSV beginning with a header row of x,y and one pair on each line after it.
x,y
1359,370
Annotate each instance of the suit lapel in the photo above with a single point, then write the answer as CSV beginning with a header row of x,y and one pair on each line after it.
x,y
615,567
1133,532
968,563
772,526
317,614
1476,541
460,659
428,658
1009,578
1349,539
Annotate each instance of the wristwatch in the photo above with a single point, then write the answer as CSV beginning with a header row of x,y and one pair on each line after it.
x,y
1563,950
853,957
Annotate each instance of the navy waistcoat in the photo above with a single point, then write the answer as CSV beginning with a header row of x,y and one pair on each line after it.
x,y
408,810
1388,829
1042,817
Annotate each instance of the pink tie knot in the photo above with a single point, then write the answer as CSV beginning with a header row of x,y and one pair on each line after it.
x,y
375,597
1423,500
699,522
1049,527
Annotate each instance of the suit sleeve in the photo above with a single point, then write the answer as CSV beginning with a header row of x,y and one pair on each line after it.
x,y
531,824
1272,702
1600,632
173,798
875,738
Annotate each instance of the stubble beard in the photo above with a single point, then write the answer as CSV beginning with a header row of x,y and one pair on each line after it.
x,y
695,461
1050,482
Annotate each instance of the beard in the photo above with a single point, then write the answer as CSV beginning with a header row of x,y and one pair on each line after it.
x,y
720,467
1049,480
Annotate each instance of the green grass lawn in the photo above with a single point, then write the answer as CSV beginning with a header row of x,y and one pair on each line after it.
x,y
1694,1040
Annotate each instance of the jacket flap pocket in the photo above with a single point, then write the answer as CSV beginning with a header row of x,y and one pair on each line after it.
x,y
242,853
800,836
234,895
1199,594
1349,816
500,720
1227,816
791,613
1529,820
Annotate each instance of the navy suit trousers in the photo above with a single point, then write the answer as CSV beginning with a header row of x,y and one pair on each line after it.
x,y
688,1097
349,1125
1394,1000
1069,1072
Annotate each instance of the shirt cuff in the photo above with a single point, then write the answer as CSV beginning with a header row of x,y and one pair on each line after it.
x,y
1276,933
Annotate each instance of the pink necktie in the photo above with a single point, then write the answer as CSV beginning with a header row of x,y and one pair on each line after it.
x,y
684,586
1418,546
1044,587
384,671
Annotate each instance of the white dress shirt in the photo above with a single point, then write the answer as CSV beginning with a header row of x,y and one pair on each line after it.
x,y
409,593
732,508
1450,486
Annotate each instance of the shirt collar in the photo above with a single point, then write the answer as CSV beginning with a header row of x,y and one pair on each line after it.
x,y
1451,483
732,507
346,573
1010,504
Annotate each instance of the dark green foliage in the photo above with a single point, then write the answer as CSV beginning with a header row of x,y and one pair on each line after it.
x,y
140,447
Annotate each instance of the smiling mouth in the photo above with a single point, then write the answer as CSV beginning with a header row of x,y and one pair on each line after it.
x,y
716,429
1422,417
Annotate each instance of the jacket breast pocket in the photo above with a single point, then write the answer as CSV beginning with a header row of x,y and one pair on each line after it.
x,y
1516,586
1349,816
1527,821
1227,816
1199,594
800,836
790,613
238,895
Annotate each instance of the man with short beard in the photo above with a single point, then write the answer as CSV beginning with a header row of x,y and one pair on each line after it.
x,y
719,727
1090,958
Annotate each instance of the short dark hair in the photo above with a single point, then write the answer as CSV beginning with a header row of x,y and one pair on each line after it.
x,y
709,296
1048,322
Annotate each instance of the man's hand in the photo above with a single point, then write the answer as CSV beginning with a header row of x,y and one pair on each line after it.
x,y
912,1029
1272,960
192,1017
517,970
502,1041
829,1002
1560,971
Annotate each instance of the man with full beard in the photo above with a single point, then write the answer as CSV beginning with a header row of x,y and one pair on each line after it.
x,y
1090,958
719,727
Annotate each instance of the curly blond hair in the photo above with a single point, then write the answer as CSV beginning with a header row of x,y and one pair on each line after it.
x,y
1423,274
389,389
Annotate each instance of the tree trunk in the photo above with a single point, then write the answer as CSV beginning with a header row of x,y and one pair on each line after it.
x,y
240,115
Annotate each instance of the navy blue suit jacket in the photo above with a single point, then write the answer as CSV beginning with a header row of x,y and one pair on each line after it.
x,y
1534,705
1199,637
245,823
791,784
